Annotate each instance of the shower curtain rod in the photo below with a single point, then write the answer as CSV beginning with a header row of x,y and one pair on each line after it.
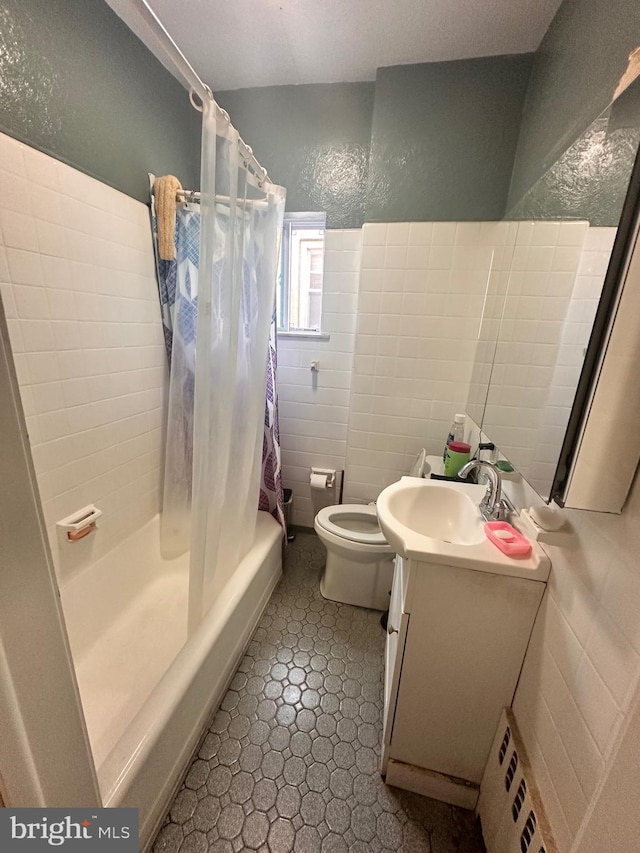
x,y
190,78
193,197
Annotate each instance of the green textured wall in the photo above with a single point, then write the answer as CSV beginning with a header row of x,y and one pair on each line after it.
x,y
76,83
444,138
314,140
575,73
590,180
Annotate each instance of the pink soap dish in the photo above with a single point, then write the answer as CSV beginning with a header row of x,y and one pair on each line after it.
x,y
507,539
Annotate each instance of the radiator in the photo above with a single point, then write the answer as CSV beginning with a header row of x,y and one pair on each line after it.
x,y
509,806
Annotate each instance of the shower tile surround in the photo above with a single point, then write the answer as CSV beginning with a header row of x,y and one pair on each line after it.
x,y
78,286
290,761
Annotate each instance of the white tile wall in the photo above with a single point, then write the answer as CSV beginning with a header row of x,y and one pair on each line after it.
x,y
583,664
576,329
421,296
504,238
541,282
78,286
314,408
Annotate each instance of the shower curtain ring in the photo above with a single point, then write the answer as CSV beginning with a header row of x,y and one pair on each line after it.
x,y
196,106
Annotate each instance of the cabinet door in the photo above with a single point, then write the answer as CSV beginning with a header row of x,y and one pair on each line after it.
x,y
467,638
396,635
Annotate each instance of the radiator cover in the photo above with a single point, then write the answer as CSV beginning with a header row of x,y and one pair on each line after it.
x,y
510,808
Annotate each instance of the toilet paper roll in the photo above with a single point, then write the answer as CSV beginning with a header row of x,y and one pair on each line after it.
x,y
319,481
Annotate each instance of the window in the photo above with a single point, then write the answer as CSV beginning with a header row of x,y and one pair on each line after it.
x,y
301,272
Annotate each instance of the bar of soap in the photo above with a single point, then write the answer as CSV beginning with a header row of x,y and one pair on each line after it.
x,y
503,534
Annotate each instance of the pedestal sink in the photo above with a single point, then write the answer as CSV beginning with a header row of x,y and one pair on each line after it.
x,y
440,521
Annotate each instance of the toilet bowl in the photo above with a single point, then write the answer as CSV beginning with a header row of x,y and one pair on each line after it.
x,y
359,568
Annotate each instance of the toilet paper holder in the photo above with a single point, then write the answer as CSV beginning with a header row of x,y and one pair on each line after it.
x,y
328,473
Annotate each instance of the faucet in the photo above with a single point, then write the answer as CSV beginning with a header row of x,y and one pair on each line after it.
x,y
493,507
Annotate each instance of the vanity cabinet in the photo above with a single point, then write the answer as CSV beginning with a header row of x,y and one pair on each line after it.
x,y
456,640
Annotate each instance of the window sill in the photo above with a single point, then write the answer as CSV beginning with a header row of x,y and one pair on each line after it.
x,y
304,336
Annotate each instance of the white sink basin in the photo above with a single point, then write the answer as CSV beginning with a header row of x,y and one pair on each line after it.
x,y
437,510
439,521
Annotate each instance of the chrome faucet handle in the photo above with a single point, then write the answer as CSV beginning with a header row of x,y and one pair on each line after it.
x,y
492,507
501,511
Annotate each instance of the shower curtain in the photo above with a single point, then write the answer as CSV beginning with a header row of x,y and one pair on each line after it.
x,y
178,291
220,428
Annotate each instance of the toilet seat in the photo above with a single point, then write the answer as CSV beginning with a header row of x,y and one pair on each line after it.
x,y
354,522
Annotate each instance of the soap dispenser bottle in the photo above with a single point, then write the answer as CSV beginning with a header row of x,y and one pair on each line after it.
x,y
456,432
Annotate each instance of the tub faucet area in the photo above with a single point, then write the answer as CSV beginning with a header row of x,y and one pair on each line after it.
x,y
493,506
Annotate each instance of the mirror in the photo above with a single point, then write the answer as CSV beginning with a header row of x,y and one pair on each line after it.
x,y
541,302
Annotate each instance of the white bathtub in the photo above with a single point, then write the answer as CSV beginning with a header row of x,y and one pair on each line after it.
x,y
146,693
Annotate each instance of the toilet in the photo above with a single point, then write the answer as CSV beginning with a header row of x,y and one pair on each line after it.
x,y
359,568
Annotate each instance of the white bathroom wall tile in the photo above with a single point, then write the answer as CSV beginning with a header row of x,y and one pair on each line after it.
x,y
443,233
14,190
18,230
545,234
314,408
4,266
621,598
374,234
573,730
46,204
397,233
572,234
81,411
595,588
561,831
441,256
373,257
40,169
571,797
42,368
8,301
617,662
595,703
395,256
566,258
351,239
418,259
31,302
420,233
11,157
24,267
418,326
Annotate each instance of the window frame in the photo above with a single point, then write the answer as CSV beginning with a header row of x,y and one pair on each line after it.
x,y
313,221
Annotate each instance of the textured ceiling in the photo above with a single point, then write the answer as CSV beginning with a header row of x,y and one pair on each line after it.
x,y
234,44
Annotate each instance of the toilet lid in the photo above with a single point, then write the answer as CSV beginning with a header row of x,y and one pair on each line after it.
x,y
355,522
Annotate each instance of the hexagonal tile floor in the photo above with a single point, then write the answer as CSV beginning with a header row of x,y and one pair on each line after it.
x,y
289,762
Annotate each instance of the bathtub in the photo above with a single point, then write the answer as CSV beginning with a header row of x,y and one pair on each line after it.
x,y
146,691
